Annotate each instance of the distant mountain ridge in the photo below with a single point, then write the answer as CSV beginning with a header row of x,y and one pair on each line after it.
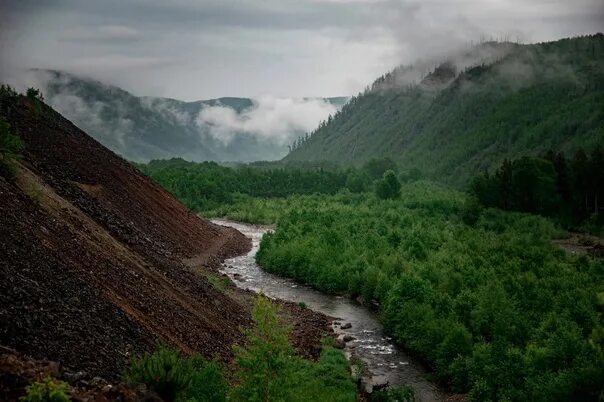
x,y
498,101
145,128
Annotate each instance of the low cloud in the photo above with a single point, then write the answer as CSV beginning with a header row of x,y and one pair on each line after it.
x,y
277,119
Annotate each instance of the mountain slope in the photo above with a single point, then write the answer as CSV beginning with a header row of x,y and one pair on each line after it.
x,y
453,125
145,128
96,260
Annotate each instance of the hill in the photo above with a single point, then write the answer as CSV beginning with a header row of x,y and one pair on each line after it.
x,y
99,264
497,101
146,128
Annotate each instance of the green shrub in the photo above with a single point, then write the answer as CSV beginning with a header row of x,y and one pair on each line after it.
x,y
48,390
34,94
264,361
207,382
10,149
164,371
269,370
395,394
34,192
388,187
176,378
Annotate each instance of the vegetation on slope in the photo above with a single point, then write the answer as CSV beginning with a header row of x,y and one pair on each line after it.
x,y
10,143
534,98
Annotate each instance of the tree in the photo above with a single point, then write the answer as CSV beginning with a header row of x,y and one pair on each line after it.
x,y
265,360
388,187
357,181
376,168
10,148
597,177
504,176
581,169
534,185
34,94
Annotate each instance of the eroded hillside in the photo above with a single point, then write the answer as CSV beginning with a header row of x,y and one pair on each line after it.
x,y
92,259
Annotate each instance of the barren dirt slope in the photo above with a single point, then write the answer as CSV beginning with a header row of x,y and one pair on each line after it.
x,y
91,255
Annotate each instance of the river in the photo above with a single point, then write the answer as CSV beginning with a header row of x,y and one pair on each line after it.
x,y
385,362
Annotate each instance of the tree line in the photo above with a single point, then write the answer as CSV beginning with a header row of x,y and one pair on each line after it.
x,y
208,185
570,189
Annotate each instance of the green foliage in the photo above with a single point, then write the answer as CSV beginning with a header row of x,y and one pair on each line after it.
x,y
389,187
34,192
176,378
207,185
34,94
221,282
376,168
532,98
48,390
404,394
571,191
207,383
268,369
480,294
265,359
36,97
10,149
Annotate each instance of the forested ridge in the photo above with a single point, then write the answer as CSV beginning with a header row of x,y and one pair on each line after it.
x,y
455,124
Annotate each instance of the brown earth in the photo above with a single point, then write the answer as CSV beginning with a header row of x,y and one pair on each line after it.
x,y
582,244
17,371
92,258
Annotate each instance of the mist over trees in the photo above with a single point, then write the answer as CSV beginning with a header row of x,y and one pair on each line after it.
x,y
463,118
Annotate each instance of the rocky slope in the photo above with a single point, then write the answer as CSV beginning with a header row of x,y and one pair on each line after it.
x,y
91,262
92,257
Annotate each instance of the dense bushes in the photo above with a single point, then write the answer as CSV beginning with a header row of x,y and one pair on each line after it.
x,y
176,378
47,390
493,306
388,187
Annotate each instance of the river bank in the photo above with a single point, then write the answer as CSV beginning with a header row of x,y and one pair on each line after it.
x,y
385,363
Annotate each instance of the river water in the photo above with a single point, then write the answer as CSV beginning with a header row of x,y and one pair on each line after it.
x,y
385,362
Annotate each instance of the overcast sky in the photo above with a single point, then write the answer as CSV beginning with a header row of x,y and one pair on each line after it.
x,y
199,49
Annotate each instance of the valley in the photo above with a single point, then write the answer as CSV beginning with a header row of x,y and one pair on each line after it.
x,y
142,128
436,238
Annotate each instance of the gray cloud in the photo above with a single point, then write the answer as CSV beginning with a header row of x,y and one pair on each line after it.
x,y
193,49
278,120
